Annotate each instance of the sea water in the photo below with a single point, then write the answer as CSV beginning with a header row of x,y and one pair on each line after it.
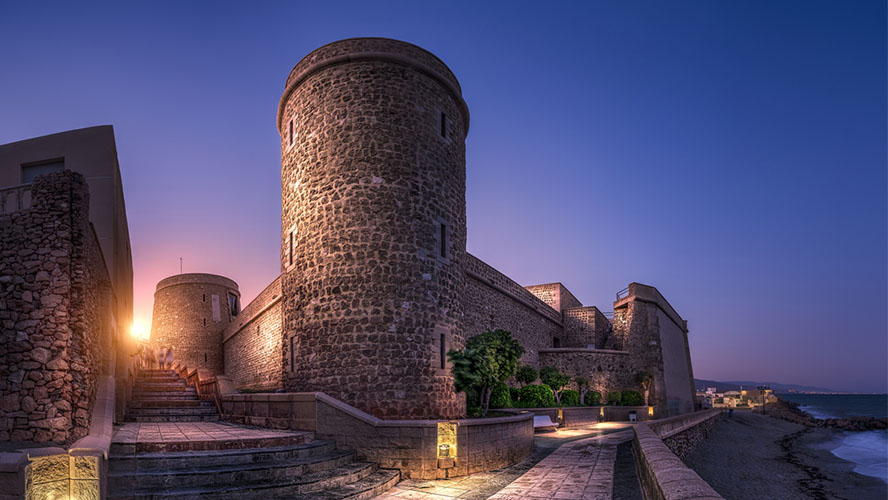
x,y
867,449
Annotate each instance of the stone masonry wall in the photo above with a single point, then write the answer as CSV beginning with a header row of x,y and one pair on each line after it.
x,y
373,174
252,343
606,370
585,326
556,295
492,300
55,314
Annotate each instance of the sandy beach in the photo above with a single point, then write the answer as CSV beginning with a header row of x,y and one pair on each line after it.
x,y
751,456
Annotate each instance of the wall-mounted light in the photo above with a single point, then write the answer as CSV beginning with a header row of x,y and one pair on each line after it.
x,y
650,411
446,450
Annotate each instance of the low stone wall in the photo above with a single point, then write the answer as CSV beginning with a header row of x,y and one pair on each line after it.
x,y
662,474
683,433
577,416
408,445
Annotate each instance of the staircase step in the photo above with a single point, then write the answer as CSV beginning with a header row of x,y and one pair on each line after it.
x,y
217,458
163,395
143,447
196,410
196,417
291,469
171,403
371,486
313,483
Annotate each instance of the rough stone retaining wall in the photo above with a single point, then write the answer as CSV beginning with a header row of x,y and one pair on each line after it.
x,y
55,314
407,445
252,343
606,370
662,474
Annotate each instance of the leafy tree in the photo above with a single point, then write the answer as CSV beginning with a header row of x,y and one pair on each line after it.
x,y
644,380
526,375
554,379
500,397
614,398
583,387
487,359
593,398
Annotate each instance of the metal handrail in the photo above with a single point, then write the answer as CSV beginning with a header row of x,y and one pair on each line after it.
x,y
608,315
623,293
19,193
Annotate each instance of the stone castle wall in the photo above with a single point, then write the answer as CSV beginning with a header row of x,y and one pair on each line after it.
x,y
190,312
585,326
252,343
556,295
492,300
56,309
373,226
606,370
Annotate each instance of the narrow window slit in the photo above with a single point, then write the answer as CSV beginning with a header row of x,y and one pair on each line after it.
x,y
443,125
292,357
443,239
443,351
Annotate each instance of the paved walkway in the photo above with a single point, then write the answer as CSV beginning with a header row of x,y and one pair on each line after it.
x,y
573,463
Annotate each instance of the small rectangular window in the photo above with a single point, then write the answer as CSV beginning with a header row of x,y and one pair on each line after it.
x,y
233,304
292,357
205,357
443,240
443,351
204,297
443,125
290,259
204,321
29,172
290,133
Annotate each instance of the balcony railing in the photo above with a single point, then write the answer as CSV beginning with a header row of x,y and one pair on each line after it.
x,y
15,198
608,314
623,293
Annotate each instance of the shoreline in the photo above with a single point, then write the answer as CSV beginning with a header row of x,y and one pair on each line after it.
x,y
756,456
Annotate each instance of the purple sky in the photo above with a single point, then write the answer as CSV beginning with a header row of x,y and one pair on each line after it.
x,y
731,154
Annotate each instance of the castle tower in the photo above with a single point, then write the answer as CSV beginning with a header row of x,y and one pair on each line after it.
x,y
190,312
373,226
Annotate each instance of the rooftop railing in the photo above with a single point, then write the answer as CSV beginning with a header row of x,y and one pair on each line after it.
x,y
623,293
15,198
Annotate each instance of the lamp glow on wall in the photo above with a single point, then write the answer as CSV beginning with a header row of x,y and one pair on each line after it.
x,y
650,411
447,440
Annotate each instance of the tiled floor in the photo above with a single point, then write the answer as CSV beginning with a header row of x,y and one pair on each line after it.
x,y
136,432
578,469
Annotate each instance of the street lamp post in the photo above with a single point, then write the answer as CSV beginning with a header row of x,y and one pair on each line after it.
x,y
762,389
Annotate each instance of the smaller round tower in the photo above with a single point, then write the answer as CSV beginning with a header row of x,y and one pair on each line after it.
x,y
190,312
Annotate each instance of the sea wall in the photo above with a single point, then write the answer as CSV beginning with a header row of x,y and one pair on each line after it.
x,y
662,474
55,314
252,343
491,300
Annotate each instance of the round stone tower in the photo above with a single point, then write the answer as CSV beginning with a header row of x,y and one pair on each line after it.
x,y
190,312
373,176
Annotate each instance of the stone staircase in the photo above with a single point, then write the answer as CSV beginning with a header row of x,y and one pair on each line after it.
x,y
163,396
199,458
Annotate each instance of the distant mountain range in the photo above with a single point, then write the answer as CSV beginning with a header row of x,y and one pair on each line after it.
x,y
702,384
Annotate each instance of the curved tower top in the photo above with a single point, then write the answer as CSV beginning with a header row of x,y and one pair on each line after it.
x,y
373,49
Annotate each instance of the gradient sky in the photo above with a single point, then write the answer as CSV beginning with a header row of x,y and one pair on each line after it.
x,y
732,154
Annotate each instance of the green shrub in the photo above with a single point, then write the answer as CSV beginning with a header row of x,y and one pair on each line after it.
x,y
632,398
500,397
593,398
473,412
570,397
537,396
515,395
526,375
614,397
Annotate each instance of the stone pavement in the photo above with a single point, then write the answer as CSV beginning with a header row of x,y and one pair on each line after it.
x,y
577,468
183,436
